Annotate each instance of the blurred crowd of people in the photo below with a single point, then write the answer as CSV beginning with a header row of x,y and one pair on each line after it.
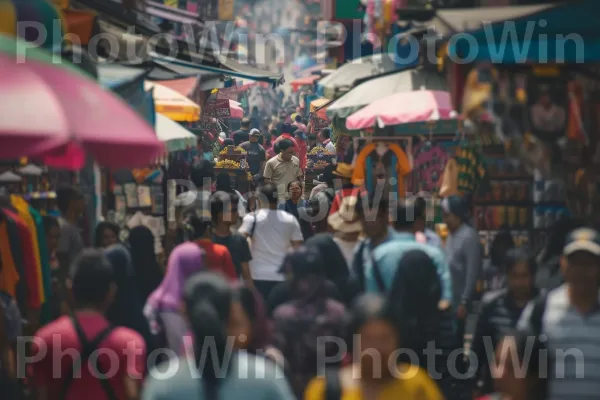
x,y
281,294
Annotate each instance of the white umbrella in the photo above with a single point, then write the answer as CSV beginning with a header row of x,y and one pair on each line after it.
x,y
10,177
175,136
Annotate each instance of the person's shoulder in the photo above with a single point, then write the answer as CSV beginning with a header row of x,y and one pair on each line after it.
x,y
431,250
284,311
258,367
273,161
60,326
123,336
245,144
418,381
218,248
491,298
238,237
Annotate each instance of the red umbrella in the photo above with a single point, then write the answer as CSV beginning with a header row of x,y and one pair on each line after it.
x,y
51,110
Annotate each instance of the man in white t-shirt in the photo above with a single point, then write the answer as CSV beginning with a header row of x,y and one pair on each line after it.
x,y
272,232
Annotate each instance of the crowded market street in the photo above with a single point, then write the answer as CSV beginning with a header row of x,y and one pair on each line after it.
x,y
302,199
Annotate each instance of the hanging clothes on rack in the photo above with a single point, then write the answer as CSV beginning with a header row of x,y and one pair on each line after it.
x,y
367,161
20,275
22,208
472,173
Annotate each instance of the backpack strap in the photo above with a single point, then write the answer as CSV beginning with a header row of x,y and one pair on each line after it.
x,y
358,268
87,348
537,314
333,384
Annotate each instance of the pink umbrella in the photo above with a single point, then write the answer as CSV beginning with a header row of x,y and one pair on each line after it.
x,y
50,111
402,108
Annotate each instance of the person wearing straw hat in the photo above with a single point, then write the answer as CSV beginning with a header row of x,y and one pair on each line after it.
x,y
347,227
343,179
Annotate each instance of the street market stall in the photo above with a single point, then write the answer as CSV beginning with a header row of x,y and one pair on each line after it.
x,y
232,161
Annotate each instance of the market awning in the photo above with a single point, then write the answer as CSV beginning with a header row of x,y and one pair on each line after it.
x,y
114,75
173,104
308,81
319,107
342,79
227,67
417,106
447,22
378,88
553,33
173,135
183,86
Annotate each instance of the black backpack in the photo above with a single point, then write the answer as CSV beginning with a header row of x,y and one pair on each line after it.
x,y
88,347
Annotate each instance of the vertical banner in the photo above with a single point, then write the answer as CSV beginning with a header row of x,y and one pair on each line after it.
x,y
226,10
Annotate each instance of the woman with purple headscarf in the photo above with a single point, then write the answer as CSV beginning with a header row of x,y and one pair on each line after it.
x,y
163,306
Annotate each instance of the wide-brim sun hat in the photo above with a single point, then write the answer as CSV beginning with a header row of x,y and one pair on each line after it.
x,y
346,219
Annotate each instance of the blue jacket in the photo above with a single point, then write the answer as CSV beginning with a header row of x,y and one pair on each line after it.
x,y
388,256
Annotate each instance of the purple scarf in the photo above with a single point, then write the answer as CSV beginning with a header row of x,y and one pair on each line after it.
x,y
185,260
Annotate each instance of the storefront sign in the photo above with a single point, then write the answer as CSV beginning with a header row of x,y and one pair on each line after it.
x,y
228,94
218,109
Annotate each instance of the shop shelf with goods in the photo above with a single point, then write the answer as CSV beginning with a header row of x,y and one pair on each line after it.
x,y
232,160
317,160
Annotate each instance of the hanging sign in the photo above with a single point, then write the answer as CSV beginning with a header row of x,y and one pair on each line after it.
x,y
228,94
218,109
226,8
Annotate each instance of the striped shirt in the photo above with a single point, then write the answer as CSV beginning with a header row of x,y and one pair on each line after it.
x,y
573,347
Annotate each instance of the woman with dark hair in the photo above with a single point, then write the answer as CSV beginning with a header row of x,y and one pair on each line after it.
x,y
127,308
309,306
414,298
253,323
297,206
369,377
148,272
106,235
162,309
217,374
